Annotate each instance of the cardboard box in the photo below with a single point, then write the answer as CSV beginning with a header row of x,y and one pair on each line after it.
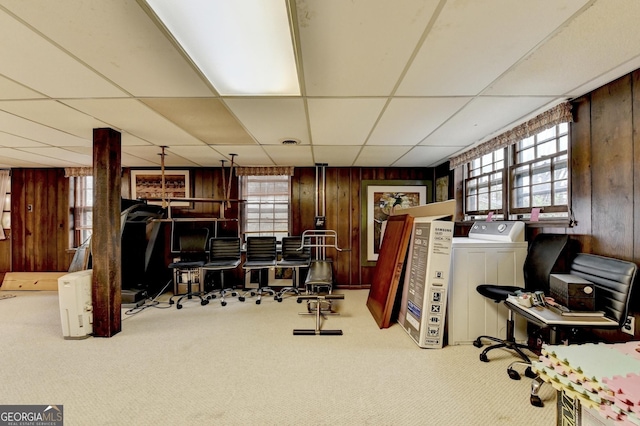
x,y
424,294
572,291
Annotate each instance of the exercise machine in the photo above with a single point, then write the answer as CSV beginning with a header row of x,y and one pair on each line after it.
x,y
319,281
319,299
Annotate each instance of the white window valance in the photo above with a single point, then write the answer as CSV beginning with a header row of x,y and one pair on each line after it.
x,y
556,115
265,171
78,171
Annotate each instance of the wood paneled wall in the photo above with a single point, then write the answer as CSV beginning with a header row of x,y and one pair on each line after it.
x,y
605,169
343,212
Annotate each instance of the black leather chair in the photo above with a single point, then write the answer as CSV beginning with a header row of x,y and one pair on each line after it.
x,y
261,254
224,255
295,255
613,280
187,270
542,255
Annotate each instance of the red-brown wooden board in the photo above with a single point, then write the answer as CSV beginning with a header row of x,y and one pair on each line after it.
x,y
388,270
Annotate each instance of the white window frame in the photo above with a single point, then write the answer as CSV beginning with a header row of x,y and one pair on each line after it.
x,y
508,188
81,209
266,210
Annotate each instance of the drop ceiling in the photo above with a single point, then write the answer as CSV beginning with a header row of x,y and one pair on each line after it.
x,y
403,83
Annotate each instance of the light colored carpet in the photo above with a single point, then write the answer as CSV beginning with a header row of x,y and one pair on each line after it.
x,y
241,365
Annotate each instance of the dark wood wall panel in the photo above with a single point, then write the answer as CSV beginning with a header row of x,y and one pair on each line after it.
x,y
635,88
612,169
581,173
40,238
343,186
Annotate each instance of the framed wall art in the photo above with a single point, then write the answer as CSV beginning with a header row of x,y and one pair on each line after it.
x,y
379,199
148,184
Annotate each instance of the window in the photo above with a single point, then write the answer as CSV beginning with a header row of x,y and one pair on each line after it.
x,y
484,183
81,202
536,175
266,211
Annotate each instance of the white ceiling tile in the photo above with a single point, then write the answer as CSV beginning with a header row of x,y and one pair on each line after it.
x,y
12,141
28,53
272,120
600,39
11,90
39,158
407,121
343,121
358,47
336,156
126,159
29,129
62,154
246,155
134,116
290,155
55,115
371,156
202,155
482,116
152,153
426,156
392,72
133,52
462,55
605,78
130,140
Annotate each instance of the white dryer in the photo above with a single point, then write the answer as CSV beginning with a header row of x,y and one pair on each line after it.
x,y
493,253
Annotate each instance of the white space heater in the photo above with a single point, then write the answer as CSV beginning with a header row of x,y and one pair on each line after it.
x,y
76,308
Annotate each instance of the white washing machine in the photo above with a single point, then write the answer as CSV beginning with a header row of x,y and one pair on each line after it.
x,y
493,253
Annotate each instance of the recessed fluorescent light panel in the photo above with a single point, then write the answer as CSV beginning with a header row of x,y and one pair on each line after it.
x,y
244,47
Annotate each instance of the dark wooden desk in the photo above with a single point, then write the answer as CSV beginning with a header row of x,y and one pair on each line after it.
x,y
545,317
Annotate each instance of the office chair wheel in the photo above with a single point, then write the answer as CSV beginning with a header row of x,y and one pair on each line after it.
x,y
279,299
513,374
529,373
211,296
477,343
223,303
484,358
204,302
299,300
178,306
258,301
241,298
536,401
234,294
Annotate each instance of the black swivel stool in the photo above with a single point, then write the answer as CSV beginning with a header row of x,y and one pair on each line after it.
x,y
542,255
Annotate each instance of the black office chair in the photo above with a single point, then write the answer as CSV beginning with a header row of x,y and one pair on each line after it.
x,y
613,280
224,255
295,255
261,254
187,270
542,255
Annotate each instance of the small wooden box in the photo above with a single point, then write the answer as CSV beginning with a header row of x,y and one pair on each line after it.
x,y
572,291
